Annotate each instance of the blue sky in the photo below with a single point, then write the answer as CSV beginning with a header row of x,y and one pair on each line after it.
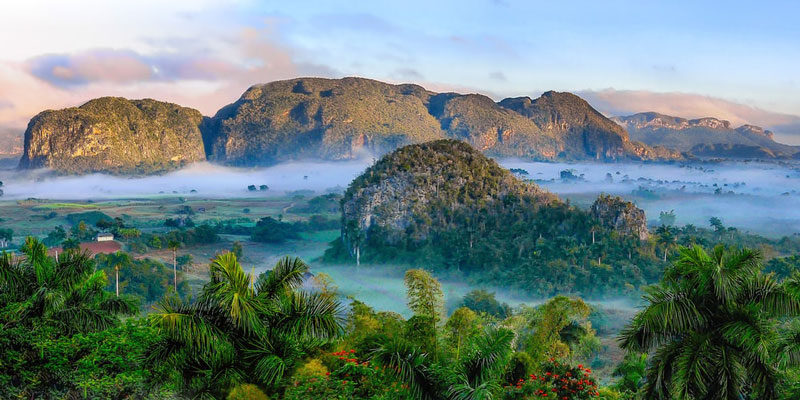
x,y
735,60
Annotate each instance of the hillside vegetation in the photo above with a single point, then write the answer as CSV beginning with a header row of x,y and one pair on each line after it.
x,y
115,135
446,205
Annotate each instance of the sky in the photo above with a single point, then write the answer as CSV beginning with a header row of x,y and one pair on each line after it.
x,y
736,60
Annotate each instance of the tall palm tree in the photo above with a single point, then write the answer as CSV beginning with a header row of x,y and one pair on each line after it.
x,y
174,245
711,326
118,260
236,333
665,236
68,292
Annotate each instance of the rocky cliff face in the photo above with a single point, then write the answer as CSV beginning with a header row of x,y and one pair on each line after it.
x,y
581,128
413,190
115,135
620,215
342,118
708,137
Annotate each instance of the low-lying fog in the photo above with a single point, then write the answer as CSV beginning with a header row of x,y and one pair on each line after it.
x,y
759,197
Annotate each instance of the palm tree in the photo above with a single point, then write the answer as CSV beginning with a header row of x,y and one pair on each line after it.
x,y
118,260
711,326
68,292
477,375
234,333
174,245
665,236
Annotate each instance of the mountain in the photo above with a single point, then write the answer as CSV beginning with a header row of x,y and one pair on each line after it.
x,y
116,135
446,206
322,119
336,119
10,142
581,128
706,137
413,188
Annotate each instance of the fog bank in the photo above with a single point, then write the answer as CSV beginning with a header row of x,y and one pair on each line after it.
x,y
758,197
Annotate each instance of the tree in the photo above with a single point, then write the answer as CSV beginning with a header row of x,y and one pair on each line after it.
x,y
237,250
561,329
425,300
463,324
482,301
118,260
70,244
67,292
234,333
155,242
174,245
716,223
667,218
710,326
631,372
55,237
475,376
324,283
6,234
666,238
129,233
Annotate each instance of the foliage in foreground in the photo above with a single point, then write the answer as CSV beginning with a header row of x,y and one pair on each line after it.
x,y
714,327
243,330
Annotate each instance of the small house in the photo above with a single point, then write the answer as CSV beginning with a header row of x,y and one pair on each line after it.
x,y
104,237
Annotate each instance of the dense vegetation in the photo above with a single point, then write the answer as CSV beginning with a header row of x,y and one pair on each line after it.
x,y
444,205
716,327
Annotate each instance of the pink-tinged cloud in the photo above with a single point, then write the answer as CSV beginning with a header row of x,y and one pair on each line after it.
x,y
99,65
206,82
624,102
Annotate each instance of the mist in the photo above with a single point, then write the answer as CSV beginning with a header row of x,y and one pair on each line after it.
x,y
199,179
757,197
751,196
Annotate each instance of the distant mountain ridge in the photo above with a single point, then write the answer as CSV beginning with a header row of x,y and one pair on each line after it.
x,y
324,119
708,137
340,118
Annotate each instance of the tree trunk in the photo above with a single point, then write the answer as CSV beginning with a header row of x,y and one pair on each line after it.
x,y
665,254
175,270
117,271
592,237
358,256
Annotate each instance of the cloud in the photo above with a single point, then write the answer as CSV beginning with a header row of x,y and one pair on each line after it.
x,y
498,76
104,65
624,102
201,78
408,73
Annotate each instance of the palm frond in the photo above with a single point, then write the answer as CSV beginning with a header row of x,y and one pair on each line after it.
x,y
230,289
306,314
408,363
287,274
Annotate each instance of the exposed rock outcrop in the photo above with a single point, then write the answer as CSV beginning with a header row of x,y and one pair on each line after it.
x,y
409,191
114,135
336,119
620,215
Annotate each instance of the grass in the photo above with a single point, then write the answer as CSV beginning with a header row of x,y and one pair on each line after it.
x,y
59,206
